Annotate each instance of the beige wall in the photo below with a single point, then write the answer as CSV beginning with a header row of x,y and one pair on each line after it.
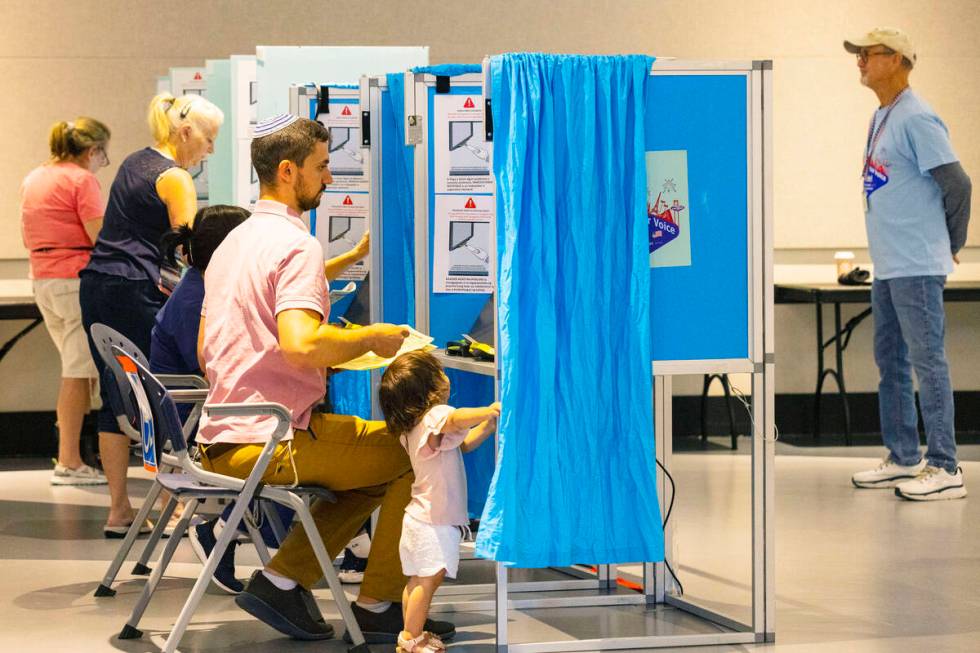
x,y
59,59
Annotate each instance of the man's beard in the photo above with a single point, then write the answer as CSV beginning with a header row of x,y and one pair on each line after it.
x,y
308,202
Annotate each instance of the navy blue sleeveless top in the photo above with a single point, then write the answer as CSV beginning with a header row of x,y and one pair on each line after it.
x,y
135,219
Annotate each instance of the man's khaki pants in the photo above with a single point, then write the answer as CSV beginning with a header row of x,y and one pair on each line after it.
x,y
364,466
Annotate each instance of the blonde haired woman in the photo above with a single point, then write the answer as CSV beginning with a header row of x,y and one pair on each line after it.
x,y
61,214
152,193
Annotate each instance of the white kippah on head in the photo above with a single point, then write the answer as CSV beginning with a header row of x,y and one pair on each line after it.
x,y
273,124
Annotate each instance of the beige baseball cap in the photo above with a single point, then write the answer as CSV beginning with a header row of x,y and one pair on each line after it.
x,y
890,37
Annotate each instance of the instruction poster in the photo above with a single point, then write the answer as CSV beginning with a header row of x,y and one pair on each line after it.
x,y
346,156
461,250
668,212
462,154
341,220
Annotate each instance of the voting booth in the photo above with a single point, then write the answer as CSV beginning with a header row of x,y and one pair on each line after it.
x,y
339,222
320,83
713,302
707,255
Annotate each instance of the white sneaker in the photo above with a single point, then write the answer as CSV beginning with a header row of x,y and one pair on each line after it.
x,y
933,484
888,473
84,475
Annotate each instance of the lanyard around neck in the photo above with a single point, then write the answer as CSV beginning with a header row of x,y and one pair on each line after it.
x,y
874,135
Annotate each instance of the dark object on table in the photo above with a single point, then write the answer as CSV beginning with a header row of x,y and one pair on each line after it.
x,y
856,277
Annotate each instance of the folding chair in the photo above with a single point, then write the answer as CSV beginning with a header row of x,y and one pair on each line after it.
x,y
128,419
160,421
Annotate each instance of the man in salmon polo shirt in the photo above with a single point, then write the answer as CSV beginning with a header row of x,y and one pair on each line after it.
x,y
264,337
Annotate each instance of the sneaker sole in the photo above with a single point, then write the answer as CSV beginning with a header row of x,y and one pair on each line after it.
x,y
352,578
63,482
271,617
947,493
883,484
224,588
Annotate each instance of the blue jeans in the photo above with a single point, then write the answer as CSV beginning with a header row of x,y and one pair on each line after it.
x,y
909,328
126,305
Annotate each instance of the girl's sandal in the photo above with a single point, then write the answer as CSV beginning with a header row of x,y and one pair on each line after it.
x,y
424,643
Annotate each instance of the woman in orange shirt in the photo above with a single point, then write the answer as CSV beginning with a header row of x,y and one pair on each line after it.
x,y
61,215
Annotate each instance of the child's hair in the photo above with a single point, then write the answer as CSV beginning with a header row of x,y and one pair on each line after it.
x,y
411,385
211,225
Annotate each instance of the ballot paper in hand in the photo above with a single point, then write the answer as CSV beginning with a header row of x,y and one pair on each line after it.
x,y
371,361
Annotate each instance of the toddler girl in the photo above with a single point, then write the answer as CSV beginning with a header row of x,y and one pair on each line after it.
x,y
413,396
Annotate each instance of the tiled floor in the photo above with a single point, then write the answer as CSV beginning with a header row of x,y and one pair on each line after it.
x,y
856,570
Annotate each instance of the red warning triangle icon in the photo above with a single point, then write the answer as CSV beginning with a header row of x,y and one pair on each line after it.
x,y
197,77
348,201
470,204
469,104
345,112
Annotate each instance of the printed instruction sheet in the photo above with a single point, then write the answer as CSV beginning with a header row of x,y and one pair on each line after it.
x,y
464,225
462,154
347,158
341,220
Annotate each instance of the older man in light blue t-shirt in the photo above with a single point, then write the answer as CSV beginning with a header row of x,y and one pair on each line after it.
x,y
916,208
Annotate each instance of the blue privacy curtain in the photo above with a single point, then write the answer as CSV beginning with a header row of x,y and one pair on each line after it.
x,y
575,478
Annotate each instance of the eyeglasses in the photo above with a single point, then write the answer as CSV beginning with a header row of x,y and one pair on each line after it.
x,y
100,149
864,54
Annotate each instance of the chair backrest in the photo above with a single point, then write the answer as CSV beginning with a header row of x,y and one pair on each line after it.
x,y
162,408
149,439
118,388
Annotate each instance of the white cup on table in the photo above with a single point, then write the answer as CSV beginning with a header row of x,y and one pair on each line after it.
x,y
845,263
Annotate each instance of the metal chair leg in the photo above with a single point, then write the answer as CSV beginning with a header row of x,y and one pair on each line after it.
x,y
141,568
229,532
131,630
257,541
272,515
104,588
326,564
